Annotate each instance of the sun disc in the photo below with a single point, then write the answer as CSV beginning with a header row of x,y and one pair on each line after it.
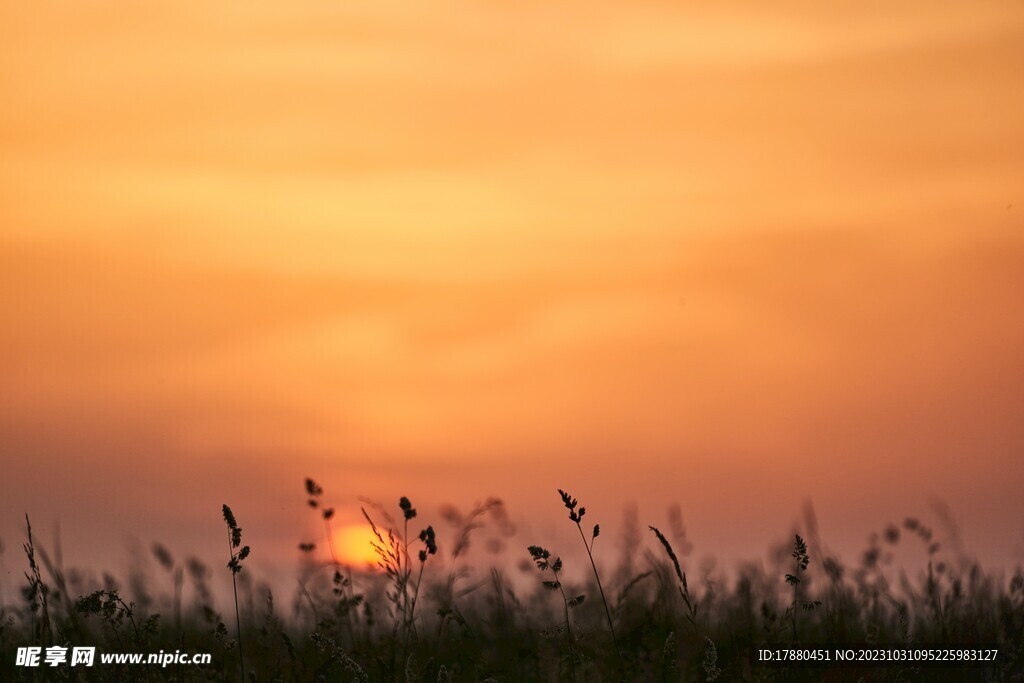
x,y
354,544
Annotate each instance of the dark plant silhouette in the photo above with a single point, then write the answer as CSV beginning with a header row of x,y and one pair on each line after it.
x,y
576,516
238,554
803,559
542,558
505,630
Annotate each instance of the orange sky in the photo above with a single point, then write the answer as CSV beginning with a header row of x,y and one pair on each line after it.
x,y
727,254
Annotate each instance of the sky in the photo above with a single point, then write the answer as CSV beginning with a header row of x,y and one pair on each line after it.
x,y
740,256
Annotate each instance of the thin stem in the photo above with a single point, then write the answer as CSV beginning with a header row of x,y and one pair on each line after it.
x,y
604,600
406,575
179,578
312,606
568,626
330,541
238,616
412,607
128,613
796,601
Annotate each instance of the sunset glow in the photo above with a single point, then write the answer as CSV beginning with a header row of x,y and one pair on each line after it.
x,y
741,256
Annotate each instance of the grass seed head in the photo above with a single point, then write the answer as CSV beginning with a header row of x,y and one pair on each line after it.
x,y
229,517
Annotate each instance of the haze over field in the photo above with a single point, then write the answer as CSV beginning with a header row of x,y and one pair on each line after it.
x,y
725,254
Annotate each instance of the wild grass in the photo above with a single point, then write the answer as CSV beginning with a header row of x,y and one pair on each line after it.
x,y
542,557
434,611
576,516
238,554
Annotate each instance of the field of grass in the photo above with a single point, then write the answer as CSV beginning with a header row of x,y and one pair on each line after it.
x,y
640,614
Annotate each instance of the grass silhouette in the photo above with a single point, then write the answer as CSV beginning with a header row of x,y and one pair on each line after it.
x,y
542,557
421,618
576,516
238,553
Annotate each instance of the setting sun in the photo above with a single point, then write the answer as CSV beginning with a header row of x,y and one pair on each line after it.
x,y
354,544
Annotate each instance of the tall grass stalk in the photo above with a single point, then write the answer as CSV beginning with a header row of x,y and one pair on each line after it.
x,y
542,557
576,515
235,565
802,558
684,589
37,591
